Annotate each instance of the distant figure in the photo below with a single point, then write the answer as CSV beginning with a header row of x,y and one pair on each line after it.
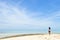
x,y
49,30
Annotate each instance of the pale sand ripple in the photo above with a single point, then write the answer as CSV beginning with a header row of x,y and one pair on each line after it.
x,y
35,37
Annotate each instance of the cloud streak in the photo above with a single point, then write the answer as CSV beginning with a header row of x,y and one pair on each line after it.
x,y
12,17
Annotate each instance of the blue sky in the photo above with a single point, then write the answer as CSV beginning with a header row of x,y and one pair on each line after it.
x,y
29,15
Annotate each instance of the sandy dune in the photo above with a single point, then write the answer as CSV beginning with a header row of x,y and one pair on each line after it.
x,y
35,37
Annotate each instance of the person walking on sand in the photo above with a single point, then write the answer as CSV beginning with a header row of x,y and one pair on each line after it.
x,y
49,30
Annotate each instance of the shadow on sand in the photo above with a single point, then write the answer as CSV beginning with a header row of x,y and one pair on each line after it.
x,y
19,35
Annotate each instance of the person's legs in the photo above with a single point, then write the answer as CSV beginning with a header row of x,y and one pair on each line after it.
x,y
49,32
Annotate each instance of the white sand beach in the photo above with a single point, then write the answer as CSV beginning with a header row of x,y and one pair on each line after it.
x,y
35,37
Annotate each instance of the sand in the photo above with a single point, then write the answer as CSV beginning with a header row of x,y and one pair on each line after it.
x,y
35,37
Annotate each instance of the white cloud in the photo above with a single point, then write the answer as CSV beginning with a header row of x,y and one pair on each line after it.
x,y
13,17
